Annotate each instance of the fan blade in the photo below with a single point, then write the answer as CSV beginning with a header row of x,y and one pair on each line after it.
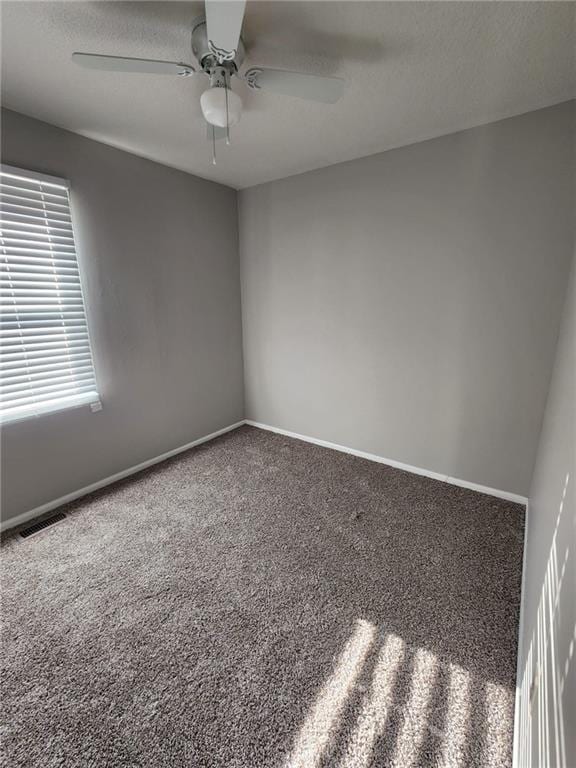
x,y
313,87
223,25
125,64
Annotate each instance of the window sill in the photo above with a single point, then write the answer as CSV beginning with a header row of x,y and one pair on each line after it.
x,y
52,406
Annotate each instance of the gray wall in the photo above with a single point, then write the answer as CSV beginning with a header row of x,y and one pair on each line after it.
x,y
549,595
408,303
158,253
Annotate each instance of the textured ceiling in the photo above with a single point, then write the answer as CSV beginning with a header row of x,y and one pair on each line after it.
x,y
414,70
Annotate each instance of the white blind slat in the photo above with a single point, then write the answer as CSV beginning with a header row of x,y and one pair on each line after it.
x,y
50,268
31,337
20,230
40,202
10,291
35,223
41,261
18,188
19,279
43,383
34,240
39,359
47,373
43,330
48,250
6,328
45,357
34,212
36,346
34,315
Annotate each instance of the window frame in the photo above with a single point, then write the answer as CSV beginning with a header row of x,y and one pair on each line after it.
x,y
70,402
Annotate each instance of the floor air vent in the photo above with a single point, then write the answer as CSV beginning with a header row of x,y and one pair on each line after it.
x,y
37,527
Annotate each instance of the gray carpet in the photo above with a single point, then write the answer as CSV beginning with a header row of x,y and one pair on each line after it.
x,y
260,601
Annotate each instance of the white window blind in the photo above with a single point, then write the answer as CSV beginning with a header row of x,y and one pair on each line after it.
x,y
45,356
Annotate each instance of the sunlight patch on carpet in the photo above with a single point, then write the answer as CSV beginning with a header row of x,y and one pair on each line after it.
x,y
322,720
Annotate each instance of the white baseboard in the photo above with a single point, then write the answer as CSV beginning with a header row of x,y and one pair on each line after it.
x,y
397,464
520,649
25,517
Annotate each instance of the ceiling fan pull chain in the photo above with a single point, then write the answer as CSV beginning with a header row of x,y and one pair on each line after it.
x,y
227,120
213,145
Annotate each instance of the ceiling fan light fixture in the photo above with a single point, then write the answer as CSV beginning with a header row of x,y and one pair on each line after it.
x,y
216,111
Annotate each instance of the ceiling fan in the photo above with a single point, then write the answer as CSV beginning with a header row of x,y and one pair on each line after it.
x,y
219,52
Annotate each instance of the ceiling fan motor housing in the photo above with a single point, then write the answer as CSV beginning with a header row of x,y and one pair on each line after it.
x,y
204,53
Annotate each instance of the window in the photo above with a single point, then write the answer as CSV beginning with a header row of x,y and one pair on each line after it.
x,y
45,356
